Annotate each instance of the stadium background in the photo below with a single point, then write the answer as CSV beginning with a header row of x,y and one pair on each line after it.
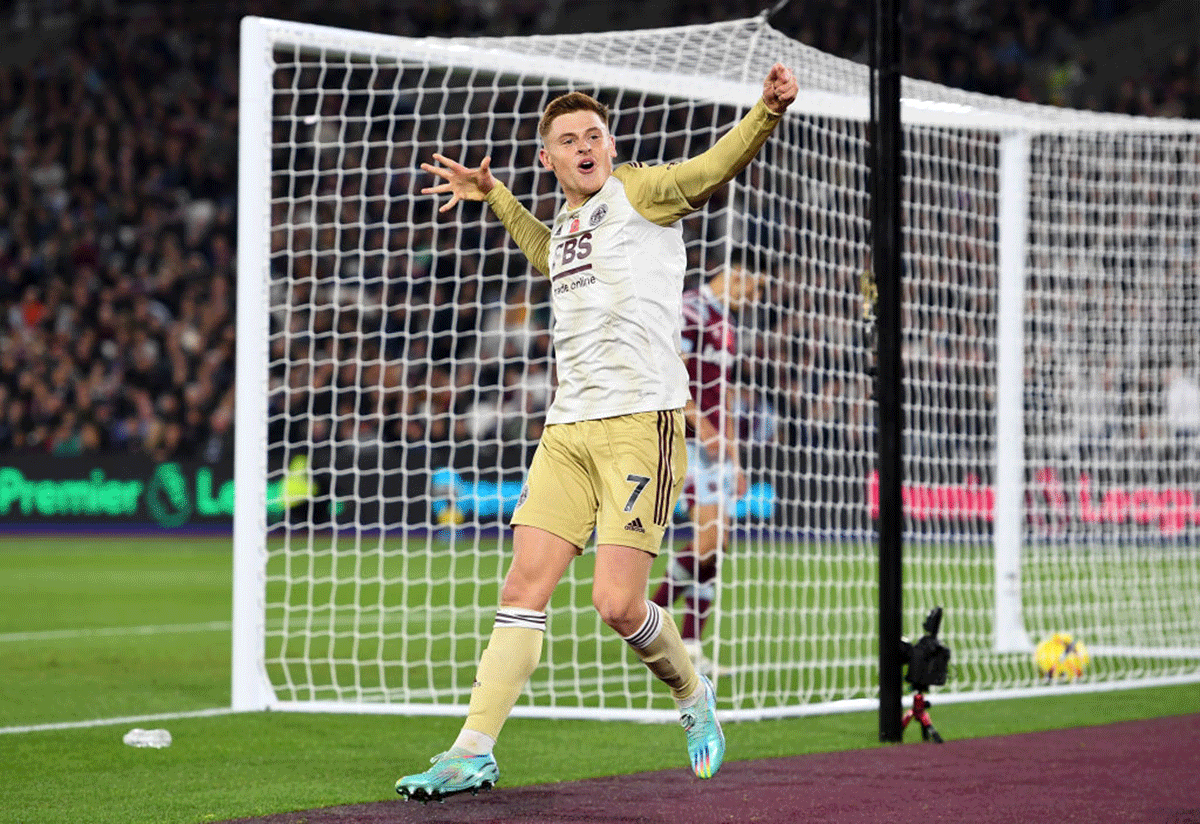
x,y
117,216
118,136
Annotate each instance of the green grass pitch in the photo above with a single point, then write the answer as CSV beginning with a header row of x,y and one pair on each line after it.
x,y
95,628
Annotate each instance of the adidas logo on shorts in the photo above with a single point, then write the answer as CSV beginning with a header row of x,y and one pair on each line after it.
x,y
635,526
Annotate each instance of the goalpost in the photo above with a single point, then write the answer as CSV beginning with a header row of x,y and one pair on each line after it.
x,y
394,366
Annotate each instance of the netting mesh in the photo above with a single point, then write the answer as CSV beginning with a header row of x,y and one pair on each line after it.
x,y
410,366
1112,351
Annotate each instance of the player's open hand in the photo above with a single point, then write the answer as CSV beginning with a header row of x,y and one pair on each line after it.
x,y
461,183
780,88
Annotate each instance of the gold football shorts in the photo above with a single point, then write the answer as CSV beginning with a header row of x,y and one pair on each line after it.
x,y
619,477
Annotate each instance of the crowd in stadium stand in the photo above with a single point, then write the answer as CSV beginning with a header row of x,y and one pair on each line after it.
x,y
118,192
1028,50
117,168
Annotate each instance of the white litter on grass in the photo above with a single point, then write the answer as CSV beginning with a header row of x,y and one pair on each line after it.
x,y
138,737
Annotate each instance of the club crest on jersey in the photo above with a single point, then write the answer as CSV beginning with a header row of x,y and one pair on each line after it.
x,y
598,215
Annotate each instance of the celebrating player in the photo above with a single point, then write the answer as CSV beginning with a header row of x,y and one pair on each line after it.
x,y
611,459
715,479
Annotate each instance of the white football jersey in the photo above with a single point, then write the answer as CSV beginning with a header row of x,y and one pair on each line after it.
x,y
616,284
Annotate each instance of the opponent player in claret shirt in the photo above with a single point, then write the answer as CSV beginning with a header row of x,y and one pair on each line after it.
x,y
612,457
715,480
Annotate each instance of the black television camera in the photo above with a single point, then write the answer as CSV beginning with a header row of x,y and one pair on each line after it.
x,y
928,661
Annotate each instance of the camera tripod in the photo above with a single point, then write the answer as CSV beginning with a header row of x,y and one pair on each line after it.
x,y
920,711
928,659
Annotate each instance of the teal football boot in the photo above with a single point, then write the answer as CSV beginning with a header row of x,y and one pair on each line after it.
x,y
705,740
452,773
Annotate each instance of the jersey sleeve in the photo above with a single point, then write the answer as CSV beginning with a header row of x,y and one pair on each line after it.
x,y
664,194
531,235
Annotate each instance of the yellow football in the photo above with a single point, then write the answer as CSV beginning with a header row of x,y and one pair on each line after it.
x,y
1061,656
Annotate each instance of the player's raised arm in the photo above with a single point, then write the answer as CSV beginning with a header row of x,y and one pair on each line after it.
x,y
462,183
696,179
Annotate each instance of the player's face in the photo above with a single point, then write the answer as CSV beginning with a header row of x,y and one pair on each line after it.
x,y
580,152
745,287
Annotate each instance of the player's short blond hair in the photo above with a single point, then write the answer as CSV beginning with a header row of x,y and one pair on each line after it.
x,y
567,103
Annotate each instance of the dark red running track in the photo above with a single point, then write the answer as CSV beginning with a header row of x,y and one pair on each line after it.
x,y
1134,772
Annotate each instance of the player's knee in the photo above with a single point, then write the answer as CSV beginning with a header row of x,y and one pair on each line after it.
x,y
616,610
511,593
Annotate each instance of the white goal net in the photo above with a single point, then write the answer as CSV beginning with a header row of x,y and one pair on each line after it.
x,y
394,365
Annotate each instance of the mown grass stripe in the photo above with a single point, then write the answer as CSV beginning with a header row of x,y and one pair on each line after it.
x,y
108,722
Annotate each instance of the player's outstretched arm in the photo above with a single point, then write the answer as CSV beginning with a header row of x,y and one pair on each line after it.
x,y
461,183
